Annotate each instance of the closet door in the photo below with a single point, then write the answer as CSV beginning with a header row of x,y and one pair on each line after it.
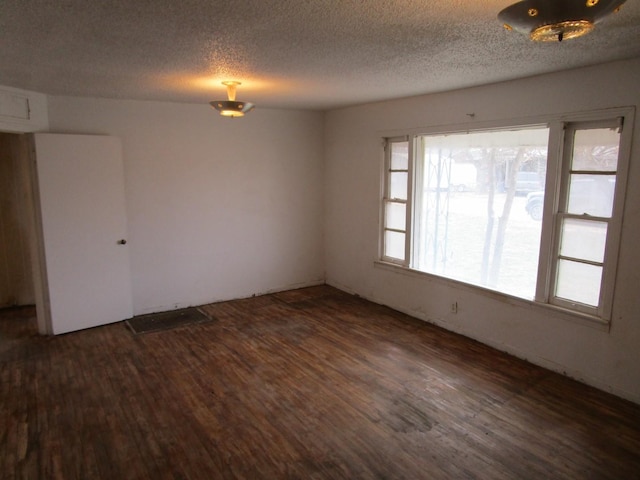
x,y
84,277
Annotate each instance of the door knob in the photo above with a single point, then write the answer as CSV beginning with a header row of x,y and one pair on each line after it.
x,y
122,242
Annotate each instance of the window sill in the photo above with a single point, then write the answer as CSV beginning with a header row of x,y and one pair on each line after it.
x,y
543,308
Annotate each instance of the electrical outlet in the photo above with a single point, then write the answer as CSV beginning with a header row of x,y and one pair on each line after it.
x,y
454,307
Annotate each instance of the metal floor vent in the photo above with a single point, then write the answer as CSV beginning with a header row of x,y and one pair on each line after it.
x,y
157,322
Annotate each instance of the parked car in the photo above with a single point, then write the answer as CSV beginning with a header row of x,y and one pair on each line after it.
x,y
535,204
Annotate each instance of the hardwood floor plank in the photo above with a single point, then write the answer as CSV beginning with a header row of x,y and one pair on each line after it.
x,y
311,383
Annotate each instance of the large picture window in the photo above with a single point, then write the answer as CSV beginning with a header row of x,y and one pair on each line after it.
x,y
532,212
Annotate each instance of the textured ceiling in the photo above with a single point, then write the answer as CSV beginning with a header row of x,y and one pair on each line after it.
x,y
315,54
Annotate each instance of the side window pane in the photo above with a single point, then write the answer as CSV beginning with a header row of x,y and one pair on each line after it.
x,y
583,239
398,185
396,215
394,244
595,149
579,282
591,194
400,156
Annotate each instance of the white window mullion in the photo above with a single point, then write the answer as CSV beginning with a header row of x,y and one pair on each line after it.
x,y
417,204
384,190
408,249
558,206
546,264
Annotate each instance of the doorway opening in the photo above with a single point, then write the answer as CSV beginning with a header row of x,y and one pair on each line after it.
x,y
16,215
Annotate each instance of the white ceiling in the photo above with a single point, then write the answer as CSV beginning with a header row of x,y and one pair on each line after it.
x,y
315,54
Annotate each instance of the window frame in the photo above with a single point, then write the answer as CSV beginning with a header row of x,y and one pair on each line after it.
x,y
614,223
557,178
386,199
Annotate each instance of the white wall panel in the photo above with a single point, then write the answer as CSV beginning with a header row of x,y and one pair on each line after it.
x,y
218,208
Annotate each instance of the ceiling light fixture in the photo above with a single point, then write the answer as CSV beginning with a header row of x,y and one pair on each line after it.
x,y
556,20
231,108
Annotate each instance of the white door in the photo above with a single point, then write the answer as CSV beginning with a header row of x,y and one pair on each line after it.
x,y
81,237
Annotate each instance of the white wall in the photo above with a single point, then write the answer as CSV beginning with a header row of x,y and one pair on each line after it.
x,y
353,154
217,208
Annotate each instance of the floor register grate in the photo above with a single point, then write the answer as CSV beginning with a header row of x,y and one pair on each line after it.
x,y
158,322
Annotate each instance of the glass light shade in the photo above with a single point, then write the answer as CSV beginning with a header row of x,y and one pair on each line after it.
x,y
228,108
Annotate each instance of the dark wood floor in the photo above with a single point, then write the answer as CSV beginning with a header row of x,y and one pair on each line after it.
x,y
307,384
